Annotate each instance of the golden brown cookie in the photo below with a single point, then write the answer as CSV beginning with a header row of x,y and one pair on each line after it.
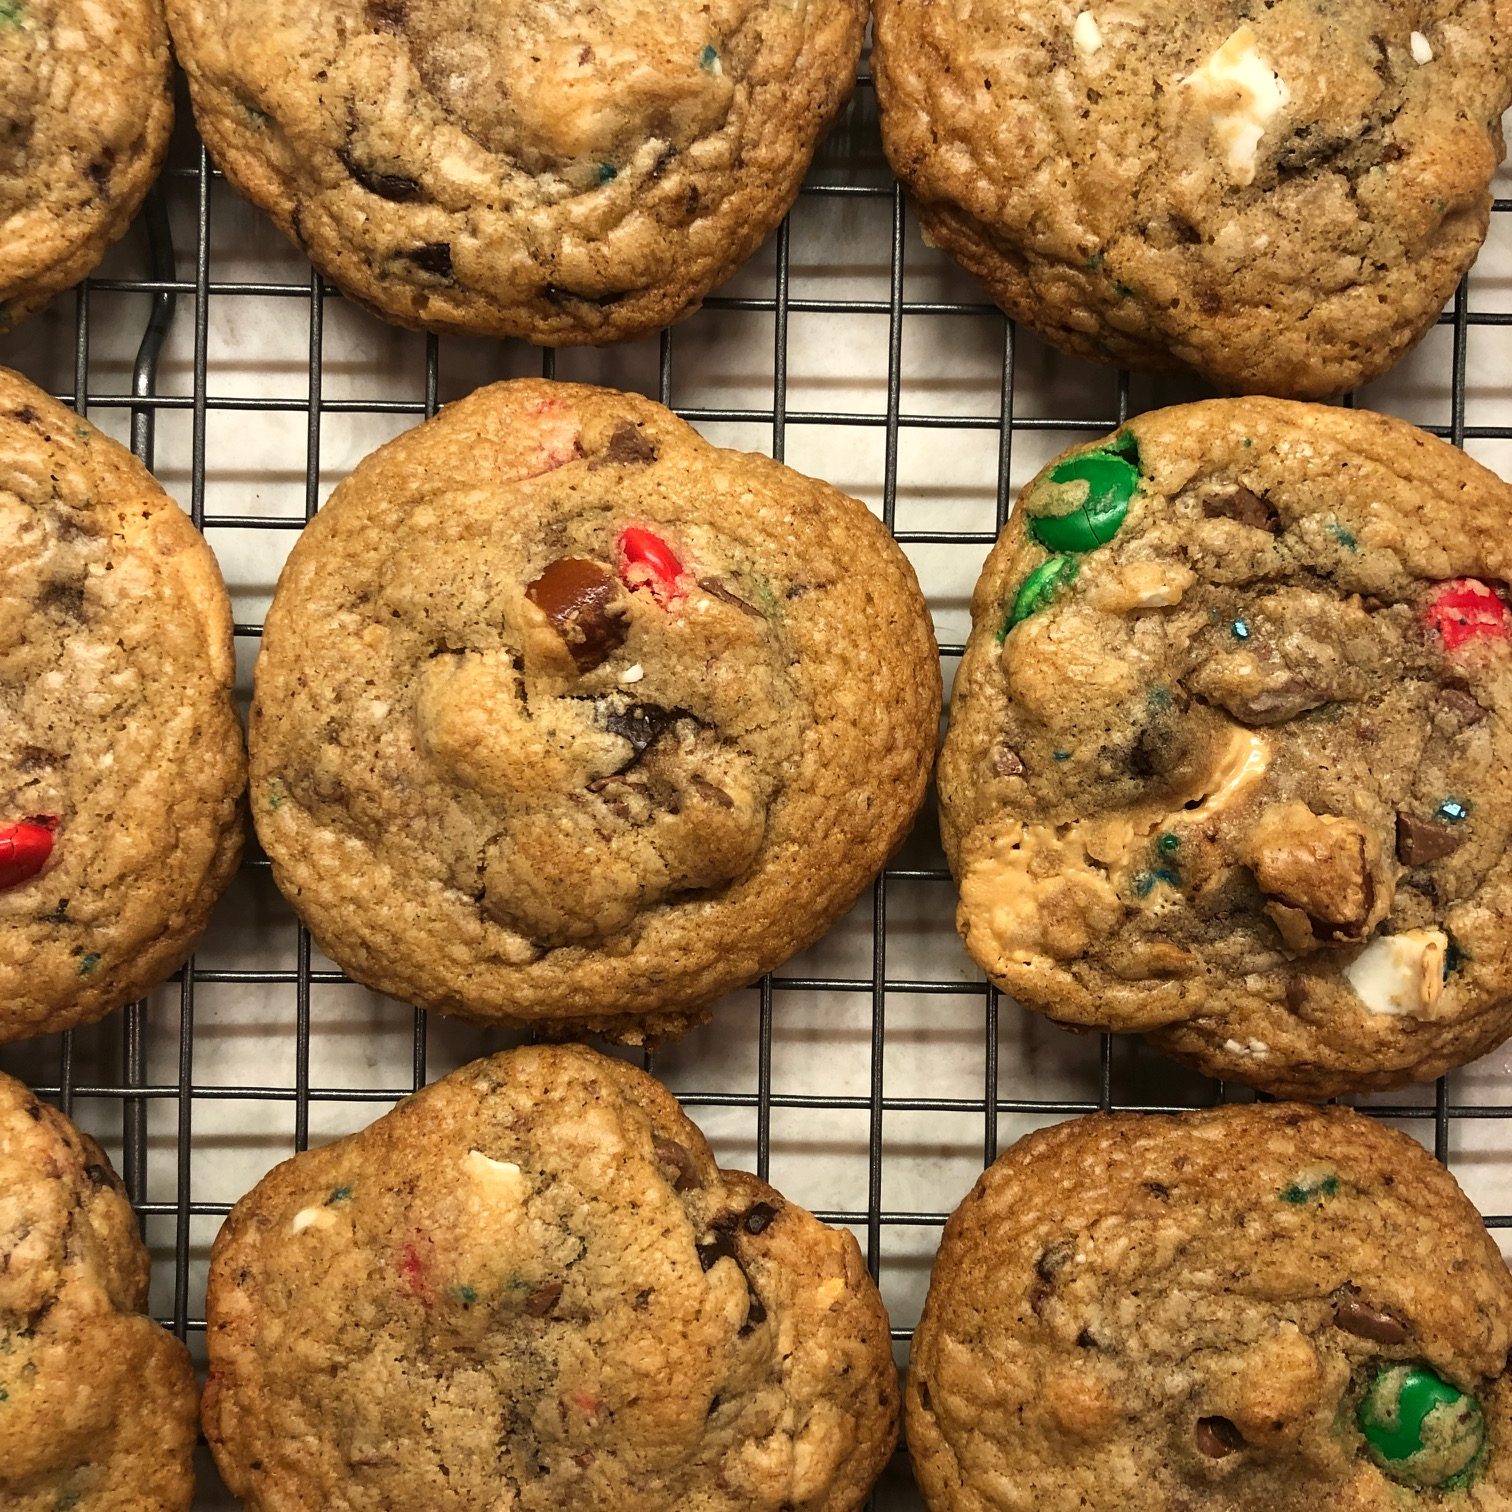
x,y
530,1286
568,172
97,1403
1229,749
85,112
565,715
121,766
1282,196
1248,1309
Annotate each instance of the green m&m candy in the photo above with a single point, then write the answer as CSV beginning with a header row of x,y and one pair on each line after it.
x,y
1419,1429
1111,476
1039,588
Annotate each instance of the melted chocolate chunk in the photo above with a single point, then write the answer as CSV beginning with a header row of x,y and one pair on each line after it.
x,y
1420,841
758,1217
715,795
543,1299
642,724
717,589
583,602
626,444
720,1247
556,294
433,257
756,1313
102,1176
1244,505
1217,1437
390,186
670,1153
1366,1322
100,170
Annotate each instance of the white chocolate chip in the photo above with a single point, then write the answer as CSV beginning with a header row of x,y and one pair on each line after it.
x,y
1422,49
1401,974
1259,1047
1242,95
503,1174
1086,34
633,674
312,1217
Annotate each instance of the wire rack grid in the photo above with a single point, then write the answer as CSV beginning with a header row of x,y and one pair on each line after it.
x,y
873,1076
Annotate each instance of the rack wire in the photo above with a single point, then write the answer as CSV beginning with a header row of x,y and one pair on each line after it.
x,y
933,1052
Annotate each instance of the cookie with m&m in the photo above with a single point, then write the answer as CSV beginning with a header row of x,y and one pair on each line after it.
x,y
121,763
1282,196
565,716
580,172
1228,760
97,1403
539,1261
1251,1308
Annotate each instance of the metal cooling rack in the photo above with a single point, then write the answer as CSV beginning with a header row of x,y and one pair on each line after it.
x,y
880,1124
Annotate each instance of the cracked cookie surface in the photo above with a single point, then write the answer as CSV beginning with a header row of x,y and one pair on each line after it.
x,y
565,715
568,173
85,113
1228,757
97,1403
530,1286
1282,196
121,765
1246,1309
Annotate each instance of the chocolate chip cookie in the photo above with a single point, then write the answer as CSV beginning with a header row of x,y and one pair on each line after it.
x,y
564,715
121,764
1280,195
97,1403
538,1260
1239,1310
568,173
85,112
1229,751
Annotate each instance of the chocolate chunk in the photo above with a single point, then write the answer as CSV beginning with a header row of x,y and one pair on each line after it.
x,y
1006,762
1420,841
715,795
100,169
1367,1322
642,724
1158,1189
1052,1259
758,1217
1236,502
1217,1437
26,415
102,1176
718,590
1086,1339
387,15
756,1313
543,1299
66,599
670,1153
663,162
389,186
1465,705
626,444
584,602
433,257
720,1247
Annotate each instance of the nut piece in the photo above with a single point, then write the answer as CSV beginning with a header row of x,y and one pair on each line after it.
x,y
580,599
1323,875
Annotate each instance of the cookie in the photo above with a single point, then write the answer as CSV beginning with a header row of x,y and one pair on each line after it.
x,y
1238,1310
1281,196
1229,753
97,1403
83,130
121,764
564,715
568,173
538,1258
